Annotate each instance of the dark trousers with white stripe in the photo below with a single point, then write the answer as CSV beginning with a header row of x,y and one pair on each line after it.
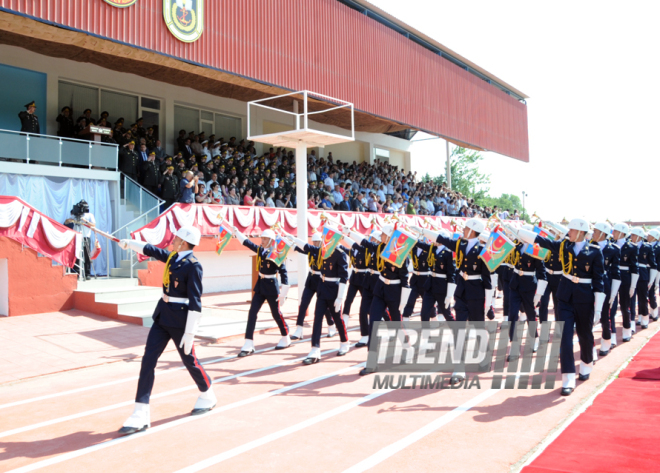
x,y
159,337
429,299
305,300
257,301
325,306
365,307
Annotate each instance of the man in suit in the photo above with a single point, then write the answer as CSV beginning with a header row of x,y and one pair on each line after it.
x,y
176,317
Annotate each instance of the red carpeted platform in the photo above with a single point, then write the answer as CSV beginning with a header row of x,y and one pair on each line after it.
x,y
619,432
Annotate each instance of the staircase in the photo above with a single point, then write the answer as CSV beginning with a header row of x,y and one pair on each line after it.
x,y
124,270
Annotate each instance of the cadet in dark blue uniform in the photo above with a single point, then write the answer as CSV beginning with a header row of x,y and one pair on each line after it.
x,y
420,275
580,296
553,272
441,285
267,289
653,238
176,318
474,291
359,269
647,270
311,285
629,276
611,283
504,273
527,286
330,294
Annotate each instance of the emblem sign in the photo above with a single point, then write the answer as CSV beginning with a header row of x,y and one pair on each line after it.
x,y
184,18
121,3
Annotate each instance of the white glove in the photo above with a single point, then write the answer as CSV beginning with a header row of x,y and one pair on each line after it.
x,y
451,289
284,291
358,237
349,241
239,235
137,246
616,284
192,325
527,236
598,305
633,283
430,234
652,275
489,301
341,293
299,243
540,290
405,294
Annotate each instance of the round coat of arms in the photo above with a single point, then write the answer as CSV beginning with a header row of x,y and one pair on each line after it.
x,y
121,3
184,18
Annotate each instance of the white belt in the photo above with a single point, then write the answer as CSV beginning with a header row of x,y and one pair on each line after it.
x,y
372,271
470,278
439,275
324,279
576,280
624,268
421,273
361,270
315,273
389,281
508,265
175,300
267,276
642,265
526,273
556,272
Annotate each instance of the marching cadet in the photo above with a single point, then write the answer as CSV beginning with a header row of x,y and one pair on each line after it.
x,y
440,285
611,283
629,277
29,121
176,318
474,291
553,273
483,239
527,286
647,271
267,289
419,278
357,258
330,294
504,273
580,296
653,238
315,262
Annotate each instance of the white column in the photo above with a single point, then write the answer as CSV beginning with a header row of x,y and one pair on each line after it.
x,y
301,198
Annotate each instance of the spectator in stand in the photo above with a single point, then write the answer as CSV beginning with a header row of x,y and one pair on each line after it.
x,y
65,121
189,188
337,196
232,198
371,203
270,202
345,204
203,197
247,198
216,194
325,202
311,202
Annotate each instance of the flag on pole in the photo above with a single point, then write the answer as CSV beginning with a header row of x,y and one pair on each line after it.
x,y
280,250
497,248
399,247
535,251
541,232
224,235
330,239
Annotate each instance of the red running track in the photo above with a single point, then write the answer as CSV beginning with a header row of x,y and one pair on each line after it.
x,y
619,431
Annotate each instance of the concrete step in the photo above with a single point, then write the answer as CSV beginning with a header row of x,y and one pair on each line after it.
x,y
96,285
122,272
120,294
126,264
137,303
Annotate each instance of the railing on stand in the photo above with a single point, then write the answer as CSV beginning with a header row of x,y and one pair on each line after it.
x,y
58,151
146,204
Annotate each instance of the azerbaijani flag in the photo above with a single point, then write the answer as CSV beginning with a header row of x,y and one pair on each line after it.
x,y
535,251
224,235
399,247
330,239
497,248
280,250
541,232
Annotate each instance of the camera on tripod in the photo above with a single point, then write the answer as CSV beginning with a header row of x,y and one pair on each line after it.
x,y
80,209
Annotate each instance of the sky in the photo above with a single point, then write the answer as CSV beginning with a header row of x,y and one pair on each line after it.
x,y
591,70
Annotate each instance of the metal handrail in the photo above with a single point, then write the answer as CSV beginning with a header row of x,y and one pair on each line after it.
x,y
142,188
41,135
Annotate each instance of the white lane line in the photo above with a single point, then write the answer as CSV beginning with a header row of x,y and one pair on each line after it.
x,y
399,445
135,378
171,392
278,435
176,423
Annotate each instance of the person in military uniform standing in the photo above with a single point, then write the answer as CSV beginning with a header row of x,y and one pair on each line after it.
x,y
149,173
139,128
129,161
553,273
611,283
311,284
176,317
169,186
267,289
629,276
654,238
29,121
580,296
647,271
420,275
66,126
440,286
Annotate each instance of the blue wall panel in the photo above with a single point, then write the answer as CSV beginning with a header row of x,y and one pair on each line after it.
x,y
20,86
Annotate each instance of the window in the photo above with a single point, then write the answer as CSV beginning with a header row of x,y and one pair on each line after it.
x,y
222,126
382,155
118,105
79,98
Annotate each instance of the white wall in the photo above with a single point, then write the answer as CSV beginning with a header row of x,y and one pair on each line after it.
x,y
4,287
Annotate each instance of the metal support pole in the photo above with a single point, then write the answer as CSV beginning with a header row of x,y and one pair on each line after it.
x,y
301,206
448,171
